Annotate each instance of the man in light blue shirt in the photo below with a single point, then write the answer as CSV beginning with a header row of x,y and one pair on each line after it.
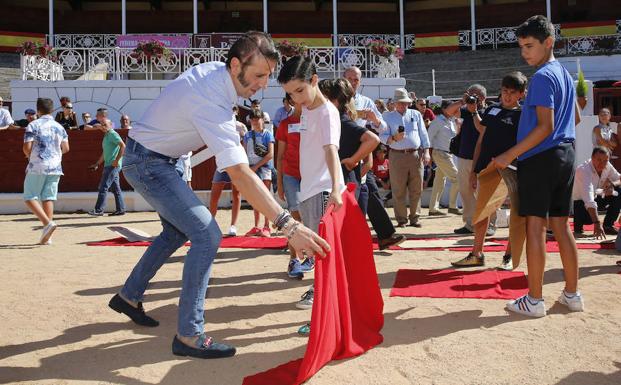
x,y
367,111
282,113
409,150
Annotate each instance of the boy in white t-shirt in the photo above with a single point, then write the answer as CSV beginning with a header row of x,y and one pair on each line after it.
x,y
320,132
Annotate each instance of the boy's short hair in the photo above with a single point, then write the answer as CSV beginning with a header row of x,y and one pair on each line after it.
x,y
515,81
538,27
600,150
45,105
297,67
256,114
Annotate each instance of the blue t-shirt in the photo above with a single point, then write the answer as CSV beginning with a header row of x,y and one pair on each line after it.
x,y
552,87
265,138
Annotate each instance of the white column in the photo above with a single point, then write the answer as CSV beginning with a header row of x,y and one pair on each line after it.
x,y
401,26
265,16
195,15
335,31
473,27
548,11
123,17
51,22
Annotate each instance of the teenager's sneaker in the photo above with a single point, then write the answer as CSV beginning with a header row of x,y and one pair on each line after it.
x,y
436,213
308,265
304,330
294,270
463,230
470,260
116,213
507,263
574,301
525,306
254,232
96,213
48,230
265,232
456,211
307,300
232,231
491,230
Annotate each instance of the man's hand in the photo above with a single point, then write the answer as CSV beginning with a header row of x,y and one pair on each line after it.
x,y
115,163
426,158
281,189
473,180
349,163
598,231
398,136
503,160
335,200
370,116
304,241
254,168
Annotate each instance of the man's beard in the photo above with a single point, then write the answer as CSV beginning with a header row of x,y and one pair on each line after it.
x,y
242,78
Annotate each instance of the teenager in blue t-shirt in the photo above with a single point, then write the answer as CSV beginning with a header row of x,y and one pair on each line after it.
x,y
545,153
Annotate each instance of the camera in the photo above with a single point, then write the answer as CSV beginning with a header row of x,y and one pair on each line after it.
x,y
471,99
401,129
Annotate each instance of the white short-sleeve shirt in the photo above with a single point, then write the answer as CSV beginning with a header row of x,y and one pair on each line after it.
x,y
5,117
194,109
319,127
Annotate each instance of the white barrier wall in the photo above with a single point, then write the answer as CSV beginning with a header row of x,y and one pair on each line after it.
x,y
132,97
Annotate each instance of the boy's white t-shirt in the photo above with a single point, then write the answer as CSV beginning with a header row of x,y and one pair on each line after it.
x,y
319,127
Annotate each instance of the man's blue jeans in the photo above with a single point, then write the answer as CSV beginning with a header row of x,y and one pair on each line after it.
x,y
183,217
110,182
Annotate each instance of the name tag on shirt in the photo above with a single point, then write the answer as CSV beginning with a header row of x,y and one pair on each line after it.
x,y
294,128
302,124
494,111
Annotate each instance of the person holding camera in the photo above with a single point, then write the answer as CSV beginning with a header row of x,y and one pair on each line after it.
x,y
409,150
473,103
260,149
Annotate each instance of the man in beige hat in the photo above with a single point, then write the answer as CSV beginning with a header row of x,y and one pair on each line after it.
x,y
409,150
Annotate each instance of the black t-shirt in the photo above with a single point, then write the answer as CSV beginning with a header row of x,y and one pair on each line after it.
x,y
501,127
22,123
350,142
469,135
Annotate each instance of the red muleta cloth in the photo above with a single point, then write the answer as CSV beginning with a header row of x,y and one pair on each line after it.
x,y
348,307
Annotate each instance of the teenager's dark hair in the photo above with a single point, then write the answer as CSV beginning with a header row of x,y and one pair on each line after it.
x,y
339,90
600,150
297,67
288,98
45,106
515,80
256,114
538,27
250,44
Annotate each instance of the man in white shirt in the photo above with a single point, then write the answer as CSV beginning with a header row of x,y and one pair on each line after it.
x,y
5,117
596,186
193,110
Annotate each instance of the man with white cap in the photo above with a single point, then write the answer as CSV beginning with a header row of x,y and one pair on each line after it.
x,y
409,150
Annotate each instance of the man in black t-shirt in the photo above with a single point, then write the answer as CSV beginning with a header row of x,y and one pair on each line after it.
x,y
31,115
497,127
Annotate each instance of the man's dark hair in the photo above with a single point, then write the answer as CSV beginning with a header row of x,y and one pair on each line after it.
x,y
515,81
538,27
600,150
252,43
45,106
297,67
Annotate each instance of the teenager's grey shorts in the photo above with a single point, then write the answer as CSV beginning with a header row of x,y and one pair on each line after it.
x,y
313,208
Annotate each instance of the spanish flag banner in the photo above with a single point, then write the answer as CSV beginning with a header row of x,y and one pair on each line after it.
x,y
11,41
438,41
589,29
311,40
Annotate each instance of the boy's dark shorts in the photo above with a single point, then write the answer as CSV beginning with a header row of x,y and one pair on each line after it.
x,y
545,182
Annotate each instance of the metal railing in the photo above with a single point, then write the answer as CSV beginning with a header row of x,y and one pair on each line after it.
x,y
39,68
123,63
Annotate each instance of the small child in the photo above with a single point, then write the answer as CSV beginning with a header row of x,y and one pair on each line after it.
x,y
602,133
320,130
259,144
545,147
45,142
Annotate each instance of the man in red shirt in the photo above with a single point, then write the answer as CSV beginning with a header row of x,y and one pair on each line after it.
x,y
428,115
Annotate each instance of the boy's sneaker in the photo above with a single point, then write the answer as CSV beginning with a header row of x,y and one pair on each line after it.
x,y
308,265
463,230
48,230
573,302
254,232
525,306
96,213
265,232
507,263
307,300
232,231
470,260
294,270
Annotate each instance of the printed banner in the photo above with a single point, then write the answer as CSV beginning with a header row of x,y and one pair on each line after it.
x,y
215,40
173,41
311,40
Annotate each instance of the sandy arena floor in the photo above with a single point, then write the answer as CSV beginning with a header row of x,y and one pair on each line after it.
x,y
56,327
